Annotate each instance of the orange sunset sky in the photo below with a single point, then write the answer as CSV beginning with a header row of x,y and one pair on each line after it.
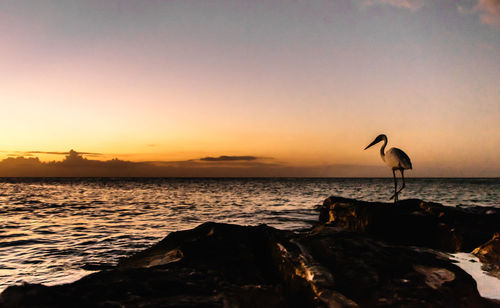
x,y
302,86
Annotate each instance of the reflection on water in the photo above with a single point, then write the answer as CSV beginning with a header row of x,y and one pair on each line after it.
x,y
487,285
50,228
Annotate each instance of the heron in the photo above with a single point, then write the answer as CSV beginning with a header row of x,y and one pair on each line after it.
x,y
396,159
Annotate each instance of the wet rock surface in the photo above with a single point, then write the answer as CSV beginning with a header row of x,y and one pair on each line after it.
x,y
489,254
374,273
340,263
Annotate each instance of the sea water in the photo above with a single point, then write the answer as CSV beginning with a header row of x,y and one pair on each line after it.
x,y
54,230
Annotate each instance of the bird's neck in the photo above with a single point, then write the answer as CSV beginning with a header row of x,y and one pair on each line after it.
x,y
382,149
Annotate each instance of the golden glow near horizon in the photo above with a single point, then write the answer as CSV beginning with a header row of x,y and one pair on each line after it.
x,y
303,84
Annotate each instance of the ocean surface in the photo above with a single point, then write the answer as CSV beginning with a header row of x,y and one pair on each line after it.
x,y
57,230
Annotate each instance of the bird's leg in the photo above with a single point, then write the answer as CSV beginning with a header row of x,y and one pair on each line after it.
x,y
403,177
395,196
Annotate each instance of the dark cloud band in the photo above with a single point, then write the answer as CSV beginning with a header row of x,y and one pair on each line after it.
x,y
229,158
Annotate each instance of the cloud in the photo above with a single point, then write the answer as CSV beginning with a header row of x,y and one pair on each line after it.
x,y
77,166
412,5
489,12
74,164
62,153
30,153
229,158
17,155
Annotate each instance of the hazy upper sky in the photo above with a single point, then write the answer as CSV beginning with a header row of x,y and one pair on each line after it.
x,y
304,83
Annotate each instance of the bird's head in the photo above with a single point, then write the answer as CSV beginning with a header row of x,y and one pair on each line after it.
x,y
377,140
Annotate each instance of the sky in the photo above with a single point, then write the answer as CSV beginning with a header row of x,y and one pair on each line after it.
x,y
305,85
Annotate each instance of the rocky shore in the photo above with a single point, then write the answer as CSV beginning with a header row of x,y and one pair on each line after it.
x,y
360,254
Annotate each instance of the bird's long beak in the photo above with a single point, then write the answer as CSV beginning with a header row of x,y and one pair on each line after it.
x,y
374,142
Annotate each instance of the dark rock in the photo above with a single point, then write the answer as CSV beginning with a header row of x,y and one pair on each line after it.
x,y
220,265
489,254
415,222
373,273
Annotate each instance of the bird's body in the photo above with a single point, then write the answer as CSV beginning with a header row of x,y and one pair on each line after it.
x,y
396,159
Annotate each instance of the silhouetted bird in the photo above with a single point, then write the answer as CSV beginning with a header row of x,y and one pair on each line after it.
x,y
396,159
